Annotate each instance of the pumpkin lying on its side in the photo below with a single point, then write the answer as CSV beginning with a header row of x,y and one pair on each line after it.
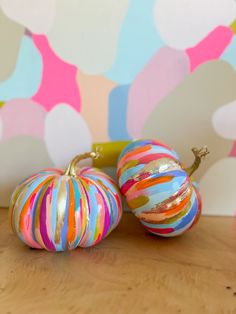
x,y
157,188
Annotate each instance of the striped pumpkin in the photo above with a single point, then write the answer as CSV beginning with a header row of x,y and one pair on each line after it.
x,y
57,210
157,189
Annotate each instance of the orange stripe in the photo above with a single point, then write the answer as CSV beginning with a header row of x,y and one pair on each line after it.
x,y
150,182
160,216
179,207
135,152
71,214
26,206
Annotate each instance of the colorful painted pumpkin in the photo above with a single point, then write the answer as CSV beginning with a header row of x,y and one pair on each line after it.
x,y
157,188
60,210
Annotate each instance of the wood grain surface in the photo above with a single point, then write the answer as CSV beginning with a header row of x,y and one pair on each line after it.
x,y
129,272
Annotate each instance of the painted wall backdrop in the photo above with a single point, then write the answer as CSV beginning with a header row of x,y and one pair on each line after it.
x,y
75,72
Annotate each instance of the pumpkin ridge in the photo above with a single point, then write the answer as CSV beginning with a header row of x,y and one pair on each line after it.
x,y
106,194
80,182
42,216
35,194
175,210
25,207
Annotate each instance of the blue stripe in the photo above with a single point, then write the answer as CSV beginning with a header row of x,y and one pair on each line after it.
x,y
191,213
65,225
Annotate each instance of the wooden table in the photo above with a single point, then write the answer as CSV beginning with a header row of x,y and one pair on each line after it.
x,y
129,272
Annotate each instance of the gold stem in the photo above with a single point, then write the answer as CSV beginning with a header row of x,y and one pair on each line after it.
x,y
71,169
199,155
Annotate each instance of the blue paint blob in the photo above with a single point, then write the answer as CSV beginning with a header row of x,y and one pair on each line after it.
x,y
138,42
26,77
118,101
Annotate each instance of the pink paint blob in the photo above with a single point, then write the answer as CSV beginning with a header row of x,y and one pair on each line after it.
x,y
211,47
22,117
157,79
59,79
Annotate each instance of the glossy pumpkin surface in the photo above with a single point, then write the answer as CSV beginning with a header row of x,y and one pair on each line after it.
x,y
57,212
157,189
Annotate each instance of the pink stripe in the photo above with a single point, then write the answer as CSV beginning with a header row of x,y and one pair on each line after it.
x,y
148,158
160,231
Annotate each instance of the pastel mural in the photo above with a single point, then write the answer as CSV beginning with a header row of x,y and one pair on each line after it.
x,y
77,72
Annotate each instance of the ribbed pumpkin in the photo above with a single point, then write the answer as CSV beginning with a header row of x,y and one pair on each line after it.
x,y
60,210
157,188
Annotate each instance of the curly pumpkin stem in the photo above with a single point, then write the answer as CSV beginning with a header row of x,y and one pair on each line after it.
x,y
71,169
199,155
